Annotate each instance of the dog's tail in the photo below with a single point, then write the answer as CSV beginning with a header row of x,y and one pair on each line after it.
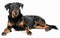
x,y
53,27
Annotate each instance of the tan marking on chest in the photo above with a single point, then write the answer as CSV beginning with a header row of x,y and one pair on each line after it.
x,y
21,23
9,23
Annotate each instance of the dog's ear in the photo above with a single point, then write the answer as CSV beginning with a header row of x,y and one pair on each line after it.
x,y
20,5
7,6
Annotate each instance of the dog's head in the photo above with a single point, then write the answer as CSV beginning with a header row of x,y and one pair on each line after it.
x,y
14,8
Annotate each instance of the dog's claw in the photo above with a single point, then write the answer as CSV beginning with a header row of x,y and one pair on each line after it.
x,y
29,33
3,34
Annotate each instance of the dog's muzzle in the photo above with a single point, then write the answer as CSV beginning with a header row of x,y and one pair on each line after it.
x,y
15,13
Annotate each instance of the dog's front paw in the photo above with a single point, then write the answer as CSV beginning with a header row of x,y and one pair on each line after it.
x,y
3,33
29,33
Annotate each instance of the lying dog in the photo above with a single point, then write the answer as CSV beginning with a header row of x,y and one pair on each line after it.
x,y
19,22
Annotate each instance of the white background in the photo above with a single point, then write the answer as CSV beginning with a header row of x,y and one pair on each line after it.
x,y
47,9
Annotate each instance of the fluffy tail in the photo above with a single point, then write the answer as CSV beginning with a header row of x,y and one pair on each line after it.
x,y
53,27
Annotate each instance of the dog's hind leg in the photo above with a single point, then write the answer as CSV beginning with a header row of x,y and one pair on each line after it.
x,y
39,25
42,27
8,29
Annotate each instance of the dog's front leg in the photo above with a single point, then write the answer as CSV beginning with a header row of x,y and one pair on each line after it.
x,y
28,31
8,29
22,24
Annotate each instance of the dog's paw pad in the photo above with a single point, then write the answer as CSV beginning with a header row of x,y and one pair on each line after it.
x,y
29,33
3,34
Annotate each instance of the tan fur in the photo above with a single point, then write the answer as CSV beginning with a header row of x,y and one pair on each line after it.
x,y
9,23
27,29
13,13
6,30
21,23
40,26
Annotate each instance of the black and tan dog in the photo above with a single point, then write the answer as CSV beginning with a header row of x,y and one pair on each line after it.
x,y
19,22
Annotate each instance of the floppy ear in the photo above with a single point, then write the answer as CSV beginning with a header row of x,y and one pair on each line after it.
x,y
7,6
20,5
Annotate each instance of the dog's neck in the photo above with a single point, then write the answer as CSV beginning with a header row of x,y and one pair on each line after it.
x,y
15,19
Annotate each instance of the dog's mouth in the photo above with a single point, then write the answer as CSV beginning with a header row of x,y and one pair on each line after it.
x,y
15,13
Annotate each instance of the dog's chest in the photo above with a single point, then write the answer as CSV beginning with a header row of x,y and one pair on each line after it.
x,y
16,23
14,20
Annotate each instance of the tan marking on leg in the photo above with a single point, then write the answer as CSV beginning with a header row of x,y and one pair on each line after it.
x,y
40,27
10,25
6,30
27,29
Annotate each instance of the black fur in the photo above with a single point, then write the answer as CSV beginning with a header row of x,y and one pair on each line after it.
x,y
29,20
53,27
8,6
15,20
15,7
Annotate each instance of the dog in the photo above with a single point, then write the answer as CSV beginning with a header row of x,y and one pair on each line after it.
x,y
19,22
